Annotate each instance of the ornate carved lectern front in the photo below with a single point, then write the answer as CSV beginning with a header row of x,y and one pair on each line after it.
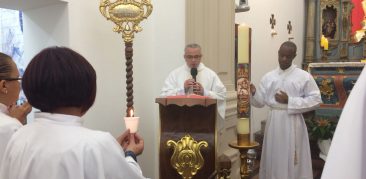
x,y
187,137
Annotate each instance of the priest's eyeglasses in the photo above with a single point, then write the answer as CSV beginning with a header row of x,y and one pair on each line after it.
x,y
191,57
19,79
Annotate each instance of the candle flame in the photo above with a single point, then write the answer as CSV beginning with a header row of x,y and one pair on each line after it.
x,y
130,113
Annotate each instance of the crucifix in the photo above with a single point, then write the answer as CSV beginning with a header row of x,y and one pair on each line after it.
x,y
289,27
289,30
272,21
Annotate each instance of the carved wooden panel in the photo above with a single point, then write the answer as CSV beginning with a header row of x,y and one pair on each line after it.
x,y
181,117
335,82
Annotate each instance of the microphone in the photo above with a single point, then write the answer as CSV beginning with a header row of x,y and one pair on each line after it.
x,y
194,73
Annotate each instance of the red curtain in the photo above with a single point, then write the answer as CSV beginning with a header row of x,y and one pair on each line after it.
x,y
357,15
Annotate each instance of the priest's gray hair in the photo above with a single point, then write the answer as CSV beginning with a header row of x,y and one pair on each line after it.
x,y
192,45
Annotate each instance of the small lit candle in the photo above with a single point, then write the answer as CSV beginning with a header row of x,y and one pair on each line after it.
x,y
132,122
243,126
243,43
324,42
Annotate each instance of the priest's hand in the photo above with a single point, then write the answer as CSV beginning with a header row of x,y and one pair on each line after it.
x,y
281,97
252,89
198,89
20,112
188,84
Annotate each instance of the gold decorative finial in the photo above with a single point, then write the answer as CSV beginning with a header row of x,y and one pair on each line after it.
x,y
187,158
126,14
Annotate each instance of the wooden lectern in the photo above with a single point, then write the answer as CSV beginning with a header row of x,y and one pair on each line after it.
x,y
187,124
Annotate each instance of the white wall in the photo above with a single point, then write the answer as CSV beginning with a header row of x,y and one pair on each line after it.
x,y
157,50
43,29
264,46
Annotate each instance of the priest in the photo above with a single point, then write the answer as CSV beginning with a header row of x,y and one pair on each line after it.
x,y
195,78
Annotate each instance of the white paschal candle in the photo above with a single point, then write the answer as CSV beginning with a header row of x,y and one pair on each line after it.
x,y
243,43
243,126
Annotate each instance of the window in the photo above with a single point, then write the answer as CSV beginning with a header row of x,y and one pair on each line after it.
x,y
11,38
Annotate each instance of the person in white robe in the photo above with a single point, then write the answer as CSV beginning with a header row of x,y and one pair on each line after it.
x,y
62,85
347,153
11,115
207,83
288,91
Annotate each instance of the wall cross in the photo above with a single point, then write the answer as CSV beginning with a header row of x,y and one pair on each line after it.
x,y
289,27
272,21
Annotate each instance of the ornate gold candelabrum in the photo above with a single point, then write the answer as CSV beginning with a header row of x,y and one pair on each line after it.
x,y
127,14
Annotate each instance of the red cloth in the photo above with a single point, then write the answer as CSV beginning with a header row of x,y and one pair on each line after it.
x,y
357,15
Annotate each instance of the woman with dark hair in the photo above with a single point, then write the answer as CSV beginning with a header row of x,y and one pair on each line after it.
x,y
11,115
62,85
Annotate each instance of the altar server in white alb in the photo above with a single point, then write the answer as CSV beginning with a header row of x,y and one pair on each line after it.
x,y
288,91
195,78
62,84
347,153
11,115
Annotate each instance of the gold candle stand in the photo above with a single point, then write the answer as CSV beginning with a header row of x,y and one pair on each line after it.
x,y
243,147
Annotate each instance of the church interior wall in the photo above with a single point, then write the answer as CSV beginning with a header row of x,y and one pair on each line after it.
x,y
264,46
158,49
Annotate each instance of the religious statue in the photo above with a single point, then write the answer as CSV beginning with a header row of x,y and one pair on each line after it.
x,y
329,26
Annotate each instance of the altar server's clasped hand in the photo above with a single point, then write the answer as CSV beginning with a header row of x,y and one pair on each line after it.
x,y
131,142
281,97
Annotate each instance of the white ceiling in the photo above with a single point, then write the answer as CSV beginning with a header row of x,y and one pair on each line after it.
x,y
27,4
